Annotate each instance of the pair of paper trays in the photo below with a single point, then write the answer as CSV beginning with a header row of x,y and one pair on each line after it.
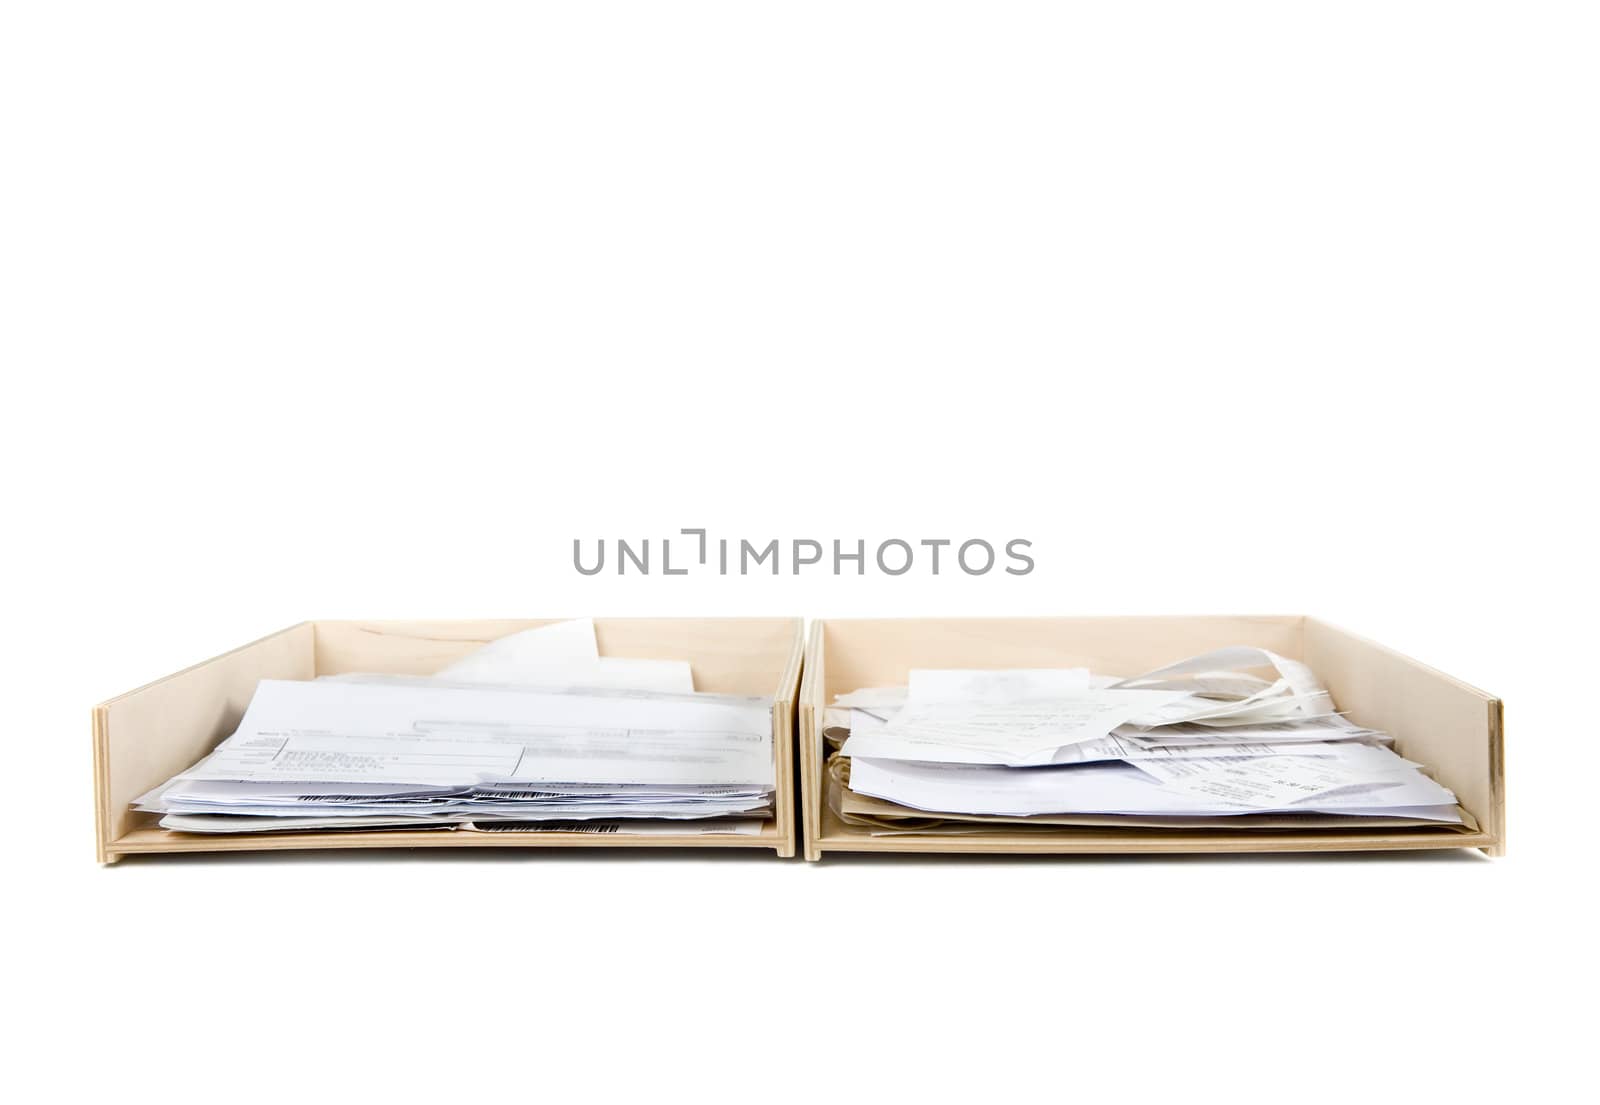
x,y
949,735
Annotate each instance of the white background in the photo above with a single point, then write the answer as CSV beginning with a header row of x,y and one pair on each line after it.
x,y
367,310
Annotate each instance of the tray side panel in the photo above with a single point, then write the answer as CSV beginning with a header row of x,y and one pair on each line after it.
x,y
728,655
812,702
146,736
785,719
874,653
408,647
1453,729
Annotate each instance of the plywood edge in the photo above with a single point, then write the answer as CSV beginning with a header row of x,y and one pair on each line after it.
x,y
195,667
785,705
811,690
1497,778
789,684
100,730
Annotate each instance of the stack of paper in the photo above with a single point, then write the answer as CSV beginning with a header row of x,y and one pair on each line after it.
x,y
1197,740
589,740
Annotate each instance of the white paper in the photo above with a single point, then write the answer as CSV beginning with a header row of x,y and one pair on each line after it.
x,y
1210,741
1111,788
1301,678
626,673
1320,730
512,659
1116,747
522,801
1296,694
1273,782
891,698
744,827
563,655
933,685
223,823
1016,734
608,673
215,823
415,734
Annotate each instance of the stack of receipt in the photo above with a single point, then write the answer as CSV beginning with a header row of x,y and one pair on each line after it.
x,y
1184,745
535,729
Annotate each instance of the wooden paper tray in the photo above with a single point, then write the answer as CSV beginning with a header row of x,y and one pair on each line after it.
x,y
1453,729
143,738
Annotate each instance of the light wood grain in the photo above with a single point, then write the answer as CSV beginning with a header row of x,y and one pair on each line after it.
x,y
1436,720
156,840
146,736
